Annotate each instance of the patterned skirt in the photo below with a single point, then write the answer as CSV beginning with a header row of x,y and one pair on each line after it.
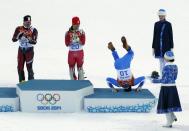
x,y
168,100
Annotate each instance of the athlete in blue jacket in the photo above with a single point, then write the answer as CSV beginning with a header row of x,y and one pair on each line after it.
x,y
125,77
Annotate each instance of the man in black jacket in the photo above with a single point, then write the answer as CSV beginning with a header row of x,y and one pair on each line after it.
x,y
162,38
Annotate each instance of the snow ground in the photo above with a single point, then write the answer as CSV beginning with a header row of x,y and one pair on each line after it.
x,y
83,121
103,21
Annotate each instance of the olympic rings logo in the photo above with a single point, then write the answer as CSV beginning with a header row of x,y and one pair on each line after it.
x,y
48,98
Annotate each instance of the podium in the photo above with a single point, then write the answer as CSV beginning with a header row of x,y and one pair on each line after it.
x,y
104,100
72,96
9,101
53,95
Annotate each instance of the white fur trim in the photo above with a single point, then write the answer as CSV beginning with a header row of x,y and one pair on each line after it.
x,y
168,84
169,63
168,57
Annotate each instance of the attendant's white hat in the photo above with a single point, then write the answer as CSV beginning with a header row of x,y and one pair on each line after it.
x,y
162,12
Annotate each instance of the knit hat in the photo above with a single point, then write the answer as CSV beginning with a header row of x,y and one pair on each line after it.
x,y
27,18
169,55
162,12
75,21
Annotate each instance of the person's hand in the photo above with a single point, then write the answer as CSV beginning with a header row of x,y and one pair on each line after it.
x,y
155,75
138,89
79,33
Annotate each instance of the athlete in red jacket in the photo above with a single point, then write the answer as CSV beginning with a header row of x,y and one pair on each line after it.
x,y
27,37
75,40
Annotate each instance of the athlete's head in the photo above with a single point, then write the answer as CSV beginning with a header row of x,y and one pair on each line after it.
x,y
75,22
27,21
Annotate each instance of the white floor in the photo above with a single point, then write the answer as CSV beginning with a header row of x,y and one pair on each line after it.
x,y
83,121
103,21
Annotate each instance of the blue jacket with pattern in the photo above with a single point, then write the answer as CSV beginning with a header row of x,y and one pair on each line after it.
x,y
169,74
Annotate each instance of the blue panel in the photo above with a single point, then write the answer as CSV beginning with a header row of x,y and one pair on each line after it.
x,y
107,93
143,107
6,108
52,85
6,92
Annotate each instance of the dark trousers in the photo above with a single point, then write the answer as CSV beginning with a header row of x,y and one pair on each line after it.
x,y
25,55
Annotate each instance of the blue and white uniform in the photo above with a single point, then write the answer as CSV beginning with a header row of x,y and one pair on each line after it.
x,y
124,74
168,97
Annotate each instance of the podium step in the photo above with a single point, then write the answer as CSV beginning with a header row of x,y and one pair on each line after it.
x,y
53,95
9,101
104,100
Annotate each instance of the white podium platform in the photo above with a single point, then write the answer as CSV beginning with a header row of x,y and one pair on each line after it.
x,y
104,100
9,101
53,95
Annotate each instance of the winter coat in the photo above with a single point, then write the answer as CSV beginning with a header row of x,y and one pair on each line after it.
x,y
162,38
